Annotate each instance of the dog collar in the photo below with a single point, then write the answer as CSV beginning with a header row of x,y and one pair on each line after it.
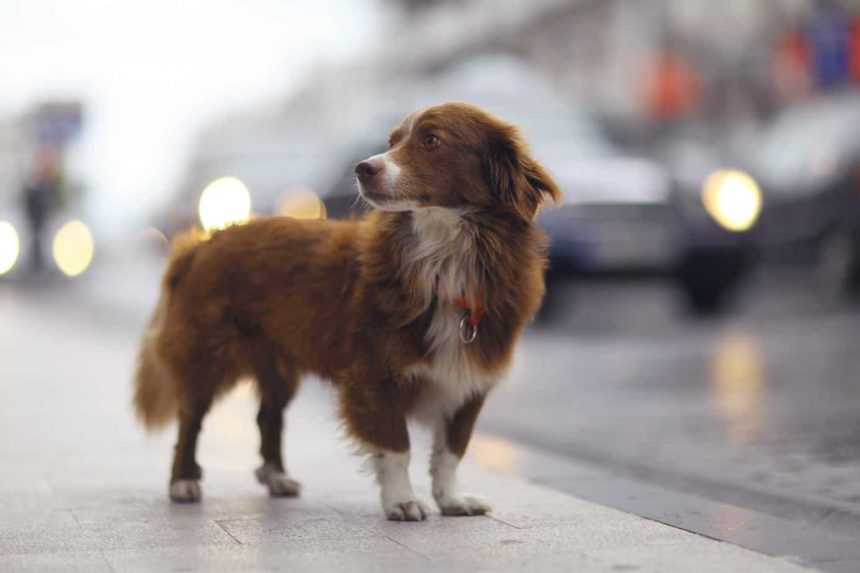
x,y
469,323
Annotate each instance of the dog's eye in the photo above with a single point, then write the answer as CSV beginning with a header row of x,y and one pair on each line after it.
x,y
390,143
431,141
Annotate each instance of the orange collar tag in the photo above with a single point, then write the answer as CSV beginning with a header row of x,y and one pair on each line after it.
x,y
474,312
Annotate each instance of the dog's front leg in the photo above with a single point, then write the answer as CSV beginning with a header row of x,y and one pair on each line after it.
x,y
376,419
398,500
450,439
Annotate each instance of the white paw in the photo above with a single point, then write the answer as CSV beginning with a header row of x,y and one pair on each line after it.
x,y
408,510
185,491
463,505
278,482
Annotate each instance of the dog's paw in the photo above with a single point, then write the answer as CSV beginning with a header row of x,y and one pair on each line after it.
x,y
185,491
278,482
408,510
459,505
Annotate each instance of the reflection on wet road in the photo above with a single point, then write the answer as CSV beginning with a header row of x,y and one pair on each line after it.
x,y
737,380
764,400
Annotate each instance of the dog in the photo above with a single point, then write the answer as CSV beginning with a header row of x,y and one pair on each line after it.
x,y
411,311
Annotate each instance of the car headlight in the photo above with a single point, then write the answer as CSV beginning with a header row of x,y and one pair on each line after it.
x,y
10,247
73,248
732,199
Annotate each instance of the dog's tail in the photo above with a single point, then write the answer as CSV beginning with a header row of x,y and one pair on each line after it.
x,y
156,400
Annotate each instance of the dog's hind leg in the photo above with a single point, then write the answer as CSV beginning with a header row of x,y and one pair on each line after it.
x,y
186,473
277,388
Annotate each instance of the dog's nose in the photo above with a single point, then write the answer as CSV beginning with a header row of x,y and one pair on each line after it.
x,y
367,169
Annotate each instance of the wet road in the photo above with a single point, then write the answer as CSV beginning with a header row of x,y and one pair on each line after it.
x,y
759,408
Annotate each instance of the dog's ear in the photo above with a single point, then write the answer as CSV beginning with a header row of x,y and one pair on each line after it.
x,y
514,176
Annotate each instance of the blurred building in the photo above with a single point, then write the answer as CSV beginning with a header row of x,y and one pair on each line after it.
x,y
711,65
11,160
600,52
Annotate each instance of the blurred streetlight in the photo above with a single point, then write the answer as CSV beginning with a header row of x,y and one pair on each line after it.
x,y
733,199
226,201
73,248
10,247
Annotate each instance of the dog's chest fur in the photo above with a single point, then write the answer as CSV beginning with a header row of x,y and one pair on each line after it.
x,y
442,259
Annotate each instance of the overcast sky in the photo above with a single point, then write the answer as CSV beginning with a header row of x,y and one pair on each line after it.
x,y
151,72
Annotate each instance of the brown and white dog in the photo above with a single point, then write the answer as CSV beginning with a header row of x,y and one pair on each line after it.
x,y
412,311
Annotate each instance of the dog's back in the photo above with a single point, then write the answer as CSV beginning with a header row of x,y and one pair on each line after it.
x,y
224,298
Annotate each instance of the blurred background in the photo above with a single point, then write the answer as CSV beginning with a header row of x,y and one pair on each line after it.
x,y
700,327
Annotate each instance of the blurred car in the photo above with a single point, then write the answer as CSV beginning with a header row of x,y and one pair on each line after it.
x,y
15,242
680,218
715,210
621,213
67,245
808,163
270,159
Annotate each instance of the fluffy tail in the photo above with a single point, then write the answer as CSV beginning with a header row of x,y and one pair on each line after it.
x,y
156,400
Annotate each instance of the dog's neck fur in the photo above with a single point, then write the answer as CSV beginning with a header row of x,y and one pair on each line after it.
x,y
442,260
442,253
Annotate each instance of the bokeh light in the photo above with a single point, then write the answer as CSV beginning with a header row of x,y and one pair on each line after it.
x,y
496,454
154,237
73,248
733,199
10,247
302,203
226,201
737,383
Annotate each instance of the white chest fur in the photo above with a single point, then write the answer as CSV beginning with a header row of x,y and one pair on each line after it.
x,y
444,259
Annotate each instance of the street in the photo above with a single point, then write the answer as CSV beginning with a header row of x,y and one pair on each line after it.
x,y
764,398
754,411
685,399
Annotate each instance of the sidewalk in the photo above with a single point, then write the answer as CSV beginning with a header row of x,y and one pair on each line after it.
x,y
83,489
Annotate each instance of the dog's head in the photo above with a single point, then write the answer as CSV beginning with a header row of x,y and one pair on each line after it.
x,y
455,155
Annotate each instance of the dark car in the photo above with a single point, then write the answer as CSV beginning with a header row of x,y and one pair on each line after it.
x,y
808,164
677,216
621,212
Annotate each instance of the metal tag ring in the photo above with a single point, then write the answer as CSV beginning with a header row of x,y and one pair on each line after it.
x,y
468,333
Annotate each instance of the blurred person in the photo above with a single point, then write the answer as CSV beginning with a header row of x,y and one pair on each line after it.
x,y
41,197
790,70
854,49
829,33
672,88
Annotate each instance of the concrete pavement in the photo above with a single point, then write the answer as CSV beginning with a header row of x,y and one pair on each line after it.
x,y
82,488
